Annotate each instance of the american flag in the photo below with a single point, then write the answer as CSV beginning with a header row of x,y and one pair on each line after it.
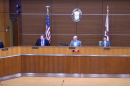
x,y
47,32
107,25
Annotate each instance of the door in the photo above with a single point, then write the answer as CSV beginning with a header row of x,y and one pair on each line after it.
x,y
14,32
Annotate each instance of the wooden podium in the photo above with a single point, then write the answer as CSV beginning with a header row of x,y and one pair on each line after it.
x,y
62,59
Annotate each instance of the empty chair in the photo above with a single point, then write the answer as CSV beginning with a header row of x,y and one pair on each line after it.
x,y
100,43
63,44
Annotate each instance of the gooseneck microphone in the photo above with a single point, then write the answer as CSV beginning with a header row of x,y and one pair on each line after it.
x,y
0,83
62,83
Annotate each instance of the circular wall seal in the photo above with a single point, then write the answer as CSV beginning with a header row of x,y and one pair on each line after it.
x,y
76,15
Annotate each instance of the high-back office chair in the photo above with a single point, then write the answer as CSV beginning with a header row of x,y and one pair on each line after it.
x,y
63,44
100,43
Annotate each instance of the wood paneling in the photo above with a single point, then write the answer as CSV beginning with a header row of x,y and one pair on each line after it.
x,y
32,40
8,33
90,39
56,64
105,65
7,39
2,37
32,6
90,6
89,24
63,6
34,20
34,24
70,64
82,51
5,23
118,40
9,66
117,6
65,51
6,6
118,24
63,25
10,52
1,6
2,22
61,39
31,24
12,11
109,64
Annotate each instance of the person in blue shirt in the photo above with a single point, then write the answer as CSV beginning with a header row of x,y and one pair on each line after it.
x,y
75,42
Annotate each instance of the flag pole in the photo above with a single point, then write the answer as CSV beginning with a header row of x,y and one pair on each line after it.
x,y
47,31
47,8
107,24
107,7
47,13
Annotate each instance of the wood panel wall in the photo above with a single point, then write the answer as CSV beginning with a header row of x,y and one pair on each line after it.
x,y
66,51
90,24
9,66
90,29
28,60
33,64
64,64
12,10
118,24
5,23
75,64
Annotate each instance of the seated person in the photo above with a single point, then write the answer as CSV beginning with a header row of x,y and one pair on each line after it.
x,y
75,42
42,41
105,43
1,44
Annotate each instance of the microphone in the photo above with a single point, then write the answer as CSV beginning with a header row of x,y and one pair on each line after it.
x,y
62,83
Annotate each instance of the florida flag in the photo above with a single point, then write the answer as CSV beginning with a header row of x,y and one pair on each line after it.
x,y
107,25
47,32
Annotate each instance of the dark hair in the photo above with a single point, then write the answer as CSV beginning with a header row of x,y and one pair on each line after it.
x,y
105,37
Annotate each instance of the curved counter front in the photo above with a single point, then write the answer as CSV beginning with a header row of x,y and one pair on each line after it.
x,y
81,60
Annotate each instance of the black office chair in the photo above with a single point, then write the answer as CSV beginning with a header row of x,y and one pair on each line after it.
x,y
63,44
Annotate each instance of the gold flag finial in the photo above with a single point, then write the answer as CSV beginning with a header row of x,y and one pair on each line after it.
x,y
107,7
47,8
